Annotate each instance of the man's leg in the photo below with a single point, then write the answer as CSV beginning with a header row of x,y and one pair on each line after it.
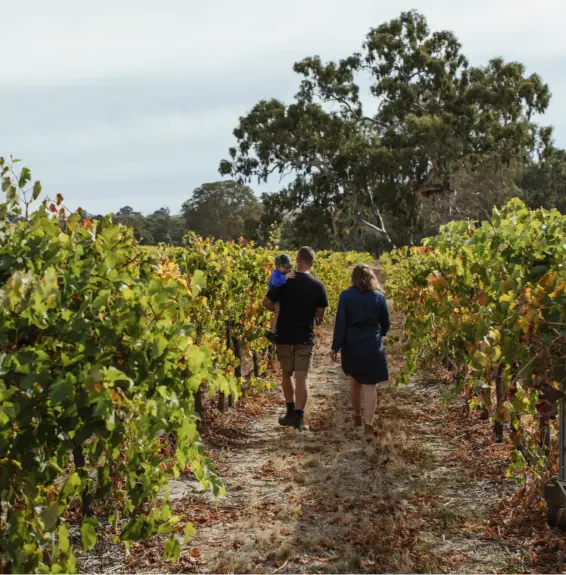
x,y
302,389
287,384
288,420
285,355
303,359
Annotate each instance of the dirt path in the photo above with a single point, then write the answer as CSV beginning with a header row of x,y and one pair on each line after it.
x,y
418,499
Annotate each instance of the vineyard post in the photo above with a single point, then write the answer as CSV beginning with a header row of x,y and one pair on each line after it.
x,y
498,427
238,369
221,396
80,466
199,409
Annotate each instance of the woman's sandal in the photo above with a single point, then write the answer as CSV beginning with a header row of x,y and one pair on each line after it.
x,y
369,432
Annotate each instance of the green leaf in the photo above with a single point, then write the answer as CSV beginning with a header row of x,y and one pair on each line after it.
x,y
72,222
63,544
25,177
50,515
138,528
198,281
159,345
71,485
172,549
88,533
36,189
189,532
61,391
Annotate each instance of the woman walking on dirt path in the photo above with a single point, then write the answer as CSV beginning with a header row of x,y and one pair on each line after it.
x,y
361,322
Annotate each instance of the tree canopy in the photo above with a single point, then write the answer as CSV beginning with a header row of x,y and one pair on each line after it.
x,y
544,183
224,210
375,161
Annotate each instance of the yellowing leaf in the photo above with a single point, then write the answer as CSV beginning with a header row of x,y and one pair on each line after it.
x,y
88,534
63,544
198,281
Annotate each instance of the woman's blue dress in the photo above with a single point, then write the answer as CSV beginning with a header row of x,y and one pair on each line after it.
x,y
362,321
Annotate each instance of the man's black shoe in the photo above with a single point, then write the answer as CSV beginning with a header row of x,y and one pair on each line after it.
x,y
299,423
287,420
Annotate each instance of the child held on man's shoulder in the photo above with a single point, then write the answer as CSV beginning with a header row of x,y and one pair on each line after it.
x,y
283,271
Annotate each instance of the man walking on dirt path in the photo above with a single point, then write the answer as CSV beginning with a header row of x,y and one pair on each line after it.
x,y
301,302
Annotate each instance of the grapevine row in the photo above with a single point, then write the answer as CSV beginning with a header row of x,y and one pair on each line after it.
x,y
105,350
489,299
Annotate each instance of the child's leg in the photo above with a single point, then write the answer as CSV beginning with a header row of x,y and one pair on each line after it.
x,y
275,316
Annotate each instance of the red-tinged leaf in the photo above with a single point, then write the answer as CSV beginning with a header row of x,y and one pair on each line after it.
x,y
195,552
53,208
59,199
88,223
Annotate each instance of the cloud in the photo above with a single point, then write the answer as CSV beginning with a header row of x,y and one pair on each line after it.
x,y
135,101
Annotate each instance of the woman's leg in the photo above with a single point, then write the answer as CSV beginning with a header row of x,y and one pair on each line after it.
x,y
370,403
356,399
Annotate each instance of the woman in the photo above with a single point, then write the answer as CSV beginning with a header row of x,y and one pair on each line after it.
x,y
362,321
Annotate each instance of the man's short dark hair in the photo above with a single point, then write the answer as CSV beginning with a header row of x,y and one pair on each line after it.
x,y
306,255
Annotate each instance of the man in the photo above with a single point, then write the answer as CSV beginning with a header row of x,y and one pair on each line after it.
x,y
301,302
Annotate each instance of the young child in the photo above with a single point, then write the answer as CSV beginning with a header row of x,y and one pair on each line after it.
x,y
279,277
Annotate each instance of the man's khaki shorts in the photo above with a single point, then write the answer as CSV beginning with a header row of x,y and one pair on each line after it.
x,y
295,357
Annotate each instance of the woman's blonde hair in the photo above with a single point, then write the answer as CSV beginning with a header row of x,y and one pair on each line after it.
x,y
364,279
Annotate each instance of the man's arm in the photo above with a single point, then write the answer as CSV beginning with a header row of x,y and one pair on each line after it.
x,y
321,305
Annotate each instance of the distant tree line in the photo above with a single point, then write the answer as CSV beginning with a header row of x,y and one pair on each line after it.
x,y
224,210
229,210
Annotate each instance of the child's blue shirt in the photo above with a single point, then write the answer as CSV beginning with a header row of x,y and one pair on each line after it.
x,y
277,278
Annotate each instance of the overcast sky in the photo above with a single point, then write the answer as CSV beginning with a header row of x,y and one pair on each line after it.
x,y
133,102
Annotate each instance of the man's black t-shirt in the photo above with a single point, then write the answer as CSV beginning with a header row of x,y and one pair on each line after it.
x,y
298,299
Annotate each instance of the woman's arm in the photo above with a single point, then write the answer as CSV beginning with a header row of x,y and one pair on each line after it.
x,y
384,319
340,324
